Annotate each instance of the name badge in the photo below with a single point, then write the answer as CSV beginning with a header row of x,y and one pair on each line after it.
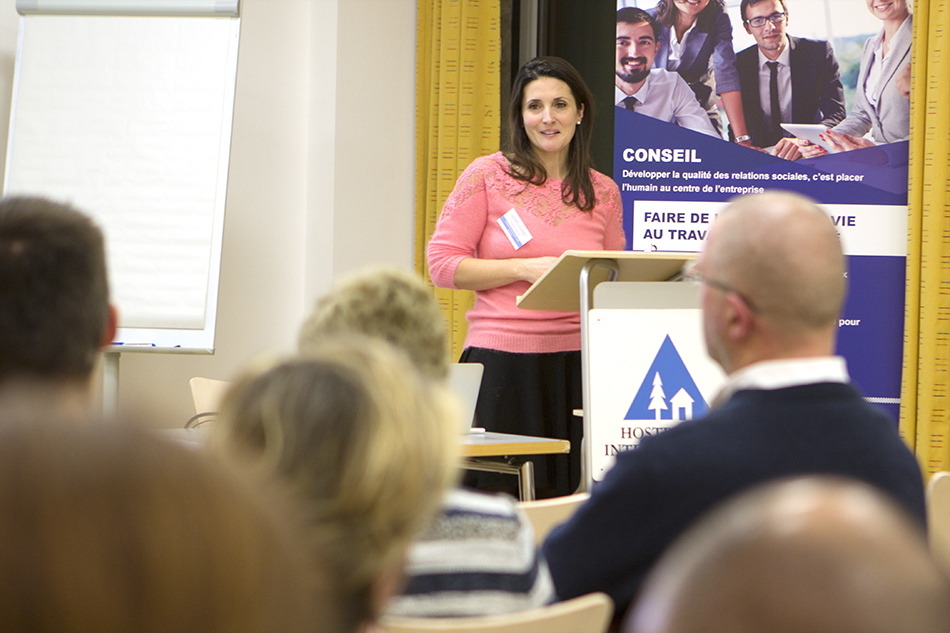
x,y
514,228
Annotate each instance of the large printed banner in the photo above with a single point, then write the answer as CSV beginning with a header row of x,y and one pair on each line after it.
x,y
674,181
674,178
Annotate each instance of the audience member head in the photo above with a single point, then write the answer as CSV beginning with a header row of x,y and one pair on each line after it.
x,y
105,529
365,442
55,314
772,272
812,555
388,303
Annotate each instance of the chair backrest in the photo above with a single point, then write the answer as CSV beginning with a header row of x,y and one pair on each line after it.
x,y
938,517
545,514
207,393
585,614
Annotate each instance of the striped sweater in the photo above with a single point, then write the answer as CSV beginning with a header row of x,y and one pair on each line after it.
x,y
478,557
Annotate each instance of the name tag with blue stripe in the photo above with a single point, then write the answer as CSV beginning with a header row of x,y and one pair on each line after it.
x,y
515,230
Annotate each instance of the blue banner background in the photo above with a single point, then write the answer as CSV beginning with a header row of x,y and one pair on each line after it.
x,y
714,170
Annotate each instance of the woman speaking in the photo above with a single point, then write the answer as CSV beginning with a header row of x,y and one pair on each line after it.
x,y
509,217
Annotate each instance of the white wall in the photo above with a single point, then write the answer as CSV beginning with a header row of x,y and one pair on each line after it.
x,y
9,21
320,183
375,155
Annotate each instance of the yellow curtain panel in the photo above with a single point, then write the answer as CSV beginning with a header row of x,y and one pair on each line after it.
x,y
457,117
925,392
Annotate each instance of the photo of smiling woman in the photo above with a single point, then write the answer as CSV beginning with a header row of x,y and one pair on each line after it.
x,y
880,105
509,217
696,42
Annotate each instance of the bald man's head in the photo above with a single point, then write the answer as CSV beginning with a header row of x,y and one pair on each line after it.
x,y
802,556
782,252
773,272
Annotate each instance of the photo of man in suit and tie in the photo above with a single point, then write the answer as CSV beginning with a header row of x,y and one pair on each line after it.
x,y
655,92
785,79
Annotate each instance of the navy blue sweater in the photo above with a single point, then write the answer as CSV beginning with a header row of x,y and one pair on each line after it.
x,y
656,491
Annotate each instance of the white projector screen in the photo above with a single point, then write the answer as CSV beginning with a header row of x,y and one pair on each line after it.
x,y
128,117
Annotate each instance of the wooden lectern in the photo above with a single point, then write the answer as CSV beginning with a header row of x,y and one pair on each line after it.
x,y
569,286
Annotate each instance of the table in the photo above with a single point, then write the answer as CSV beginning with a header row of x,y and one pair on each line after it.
x,y
478,446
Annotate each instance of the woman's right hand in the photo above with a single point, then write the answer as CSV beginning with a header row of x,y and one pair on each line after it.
x,y
845,142
535,267
483,274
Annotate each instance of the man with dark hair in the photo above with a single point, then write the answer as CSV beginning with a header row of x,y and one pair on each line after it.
x,y
55,313
772,285
655,92
797,76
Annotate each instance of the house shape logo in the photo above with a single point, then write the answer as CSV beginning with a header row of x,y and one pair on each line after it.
x,y
667,392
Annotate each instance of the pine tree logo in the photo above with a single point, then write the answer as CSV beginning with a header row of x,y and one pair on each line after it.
x,y
668,373
657,397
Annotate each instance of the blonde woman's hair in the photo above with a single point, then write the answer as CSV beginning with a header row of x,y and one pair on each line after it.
x,y
103,528
387,303
366,441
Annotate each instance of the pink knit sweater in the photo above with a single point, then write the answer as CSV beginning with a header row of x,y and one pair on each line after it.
x,y
469,227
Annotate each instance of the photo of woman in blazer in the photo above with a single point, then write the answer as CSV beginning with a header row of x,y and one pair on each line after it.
x,y
880,104
696,42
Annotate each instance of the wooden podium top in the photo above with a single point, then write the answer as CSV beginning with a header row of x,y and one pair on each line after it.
x,y
558,288
504,444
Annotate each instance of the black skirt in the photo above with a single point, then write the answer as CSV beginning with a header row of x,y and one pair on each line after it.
x,y
531,394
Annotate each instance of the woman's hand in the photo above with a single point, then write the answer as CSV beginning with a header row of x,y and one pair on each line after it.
x,y
732,104
535,268
790,148
810,150
845,142
483,274
902,80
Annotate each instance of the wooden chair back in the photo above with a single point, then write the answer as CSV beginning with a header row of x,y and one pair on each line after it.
x,y
585,614
938,517
206,394
545,514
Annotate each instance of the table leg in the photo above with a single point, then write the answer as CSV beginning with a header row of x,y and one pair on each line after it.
x,y
526,479
524,473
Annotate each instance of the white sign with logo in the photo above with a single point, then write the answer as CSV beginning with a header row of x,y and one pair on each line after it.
x,y
649,371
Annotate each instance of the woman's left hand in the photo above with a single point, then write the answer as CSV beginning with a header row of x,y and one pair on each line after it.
x,y
790,148
811,150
